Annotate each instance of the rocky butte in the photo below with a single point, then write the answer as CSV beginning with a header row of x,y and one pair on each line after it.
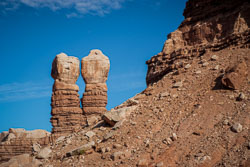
x,y
194,111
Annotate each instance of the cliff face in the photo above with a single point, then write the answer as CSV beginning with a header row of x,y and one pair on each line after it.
x,y
209,25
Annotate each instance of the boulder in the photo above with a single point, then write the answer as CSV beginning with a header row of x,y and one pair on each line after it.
x,y
142,163
235,75
116,115
44,153
81,150
120,155
237,128
177,84
90,134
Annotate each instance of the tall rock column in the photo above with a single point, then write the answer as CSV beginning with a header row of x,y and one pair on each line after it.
x,y
95,68
66,112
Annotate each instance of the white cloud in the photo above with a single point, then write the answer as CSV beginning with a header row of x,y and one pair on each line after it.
x,y
23,91
72,15
76,7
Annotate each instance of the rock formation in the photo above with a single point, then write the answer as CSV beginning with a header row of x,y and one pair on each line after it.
x,y
209,25
67,116
95,68
19,141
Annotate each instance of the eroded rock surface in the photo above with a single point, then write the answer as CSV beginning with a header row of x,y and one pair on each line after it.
x,y
67,116
19,141
209,25
22,160
95,68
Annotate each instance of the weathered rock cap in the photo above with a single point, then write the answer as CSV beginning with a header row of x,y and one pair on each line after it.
x,y
65,68
95,67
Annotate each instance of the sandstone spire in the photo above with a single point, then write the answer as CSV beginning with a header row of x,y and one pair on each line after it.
x,y
66,112
95,68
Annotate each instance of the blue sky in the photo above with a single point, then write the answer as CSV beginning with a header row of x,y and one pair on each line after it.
x,y
33,32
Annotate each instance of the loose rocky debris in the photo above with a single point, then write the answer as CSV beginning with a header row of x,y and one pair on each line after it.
x,y
241,97
187,66
93,119
174,137
90,134
108,135
160,164
214,57
120,155
142,163
177,84
23,160
84,149
237,127
216,67
205,64
44,153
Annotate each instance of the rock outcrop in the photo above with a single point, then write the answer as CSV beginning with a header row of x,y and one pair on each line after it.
x,y
95,68
67,116
209,25
19,141
22,160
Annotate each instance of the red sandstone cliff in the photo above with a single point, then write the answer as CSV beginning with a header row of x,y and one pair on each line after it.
x,y
209,25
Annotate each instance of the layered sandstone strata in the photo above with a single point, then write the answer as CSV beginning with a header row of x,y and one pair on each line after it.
x,y
19,141
95,68
67,116
209,26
